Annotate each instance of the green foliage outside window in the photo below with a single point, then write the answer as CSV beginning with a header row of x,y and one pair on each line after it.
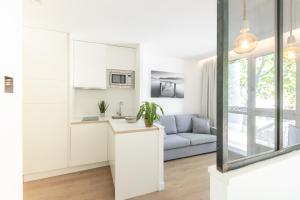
x,y
265,80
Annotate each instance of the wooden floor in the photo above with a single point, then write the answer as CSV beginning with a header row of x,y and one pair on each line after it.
x,y
185,179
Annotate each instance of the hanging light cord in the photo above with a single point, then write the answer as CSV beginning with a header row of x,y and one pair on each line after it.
x,y
245,10
291,17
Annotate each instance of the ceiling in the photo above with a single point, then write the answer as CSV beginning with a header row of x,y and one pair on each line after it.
x,y
180,28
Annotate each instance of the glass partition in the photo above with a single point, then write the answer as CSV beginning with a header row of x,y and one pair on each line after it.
x,y
251,78
290,73
258,80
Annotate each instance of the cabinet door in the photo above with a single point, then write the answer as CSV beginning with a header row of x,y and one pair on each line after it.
x,y
89,143
111,153
89,61
45,100
121,58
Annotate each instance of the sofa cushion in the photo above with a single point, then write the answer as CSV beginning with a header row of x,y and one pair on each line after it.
x,y
197,138
184,123
201,125
168,121
174,141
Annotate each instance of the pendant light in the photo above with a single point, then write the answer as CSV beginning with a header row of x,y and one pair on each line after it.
x,y
245,42
292,51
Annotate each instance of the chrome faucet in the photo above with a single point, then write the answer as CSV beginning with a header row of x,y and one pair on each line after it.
x,y
119,113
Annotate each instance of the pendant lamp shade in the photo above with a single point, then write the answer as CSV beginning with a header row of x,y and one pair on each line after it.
x,y
291,52
246,41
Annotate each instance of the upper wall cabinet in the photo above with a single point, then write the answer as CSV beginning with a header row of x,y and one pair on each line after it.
x,y
122,58
89,61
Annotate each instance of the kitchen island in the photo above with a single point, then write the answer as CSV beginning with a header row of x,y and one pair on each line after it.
x,y
135,155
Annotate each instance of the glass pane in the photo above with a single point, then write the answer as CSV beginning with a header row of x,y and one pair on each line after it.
x,y
123,79
237,136
116,78
238,83
264,111
265,81
287,127
250,78
237,100
265,128
289,84
291,73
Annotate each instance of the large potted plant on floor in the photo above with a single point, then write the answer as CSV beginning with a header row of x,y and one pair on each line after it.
x,y
149,111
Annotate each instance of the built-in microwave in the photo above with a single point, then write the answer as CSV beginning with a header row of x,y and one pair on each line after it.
x,y
121,78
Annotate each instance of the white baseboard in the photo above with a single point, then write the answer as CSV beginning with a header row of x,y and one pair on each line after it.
x,y
69,170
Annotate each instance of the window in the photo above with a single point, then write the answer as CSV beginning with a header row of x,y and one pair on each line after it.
x,y
251,103
265,81
261,116
237,105
290,114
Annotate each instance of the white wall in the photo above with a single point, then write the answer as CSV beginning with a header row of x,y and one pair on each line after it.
x,y
85,102
10,104
275,179
191,101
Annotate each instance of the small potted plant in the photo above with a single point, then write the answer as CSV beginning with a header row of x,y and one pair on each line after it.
x,y
103,106
149,112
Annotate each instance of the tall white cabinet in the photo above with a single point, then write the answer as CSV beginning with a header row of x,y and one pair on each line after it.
x,y
89,61
45,104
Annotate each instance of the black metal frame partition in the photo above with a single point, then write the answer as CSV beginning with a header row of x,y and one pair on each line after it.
x,y
223,164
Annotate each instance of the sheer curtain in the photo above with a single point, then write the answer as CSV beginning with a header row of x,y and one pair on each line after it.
x,y
208,100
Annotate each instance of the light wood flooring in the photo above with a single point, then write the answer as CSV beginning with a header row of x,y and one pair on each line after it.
x,y
185,179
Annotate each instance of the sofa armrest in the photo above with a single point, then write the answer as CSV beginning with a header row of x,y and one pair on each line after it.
x,y
213,131
161,127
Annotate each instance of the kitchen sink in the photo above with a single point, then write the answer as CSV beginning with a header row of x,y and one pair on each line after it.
x,y
118,117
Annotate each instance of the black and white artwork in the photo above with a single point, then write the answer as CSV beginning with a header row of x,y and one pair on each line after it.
x,y
167,84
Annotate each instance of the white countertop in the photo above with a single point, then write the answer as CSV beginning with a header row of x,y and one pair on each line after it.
x,y
121,126
101,119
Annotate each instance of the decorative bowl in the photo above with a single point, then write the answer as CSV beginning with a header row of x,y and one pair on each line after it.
x,y
131,119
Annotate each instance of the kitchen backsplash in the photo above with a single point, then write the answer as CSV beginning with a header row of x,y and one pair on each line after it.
x,y
85,102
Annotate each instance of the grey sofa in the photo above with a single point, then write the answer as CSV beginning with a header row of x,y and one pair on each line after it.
x,y
180,141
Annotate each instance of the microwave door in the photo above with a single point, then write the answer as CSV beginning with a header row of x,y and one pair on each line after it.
x,y
123,79
115,79
118,79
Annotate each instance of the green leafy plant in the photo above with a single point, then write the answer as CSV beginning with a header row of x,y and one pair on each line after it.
x,y
103,106
149,112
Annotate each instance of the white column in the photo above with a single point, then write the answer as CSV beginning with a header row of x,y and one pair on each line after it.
x,y
10,103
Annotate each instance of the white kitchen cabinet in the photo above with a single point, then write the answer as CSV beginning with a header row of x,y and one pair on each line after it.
x,y
89,61
45,100
135,158
111,152
89,143
122,58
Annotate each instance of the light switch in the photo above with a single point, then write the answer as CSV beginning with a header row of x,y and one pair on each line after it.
x,y
8,84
